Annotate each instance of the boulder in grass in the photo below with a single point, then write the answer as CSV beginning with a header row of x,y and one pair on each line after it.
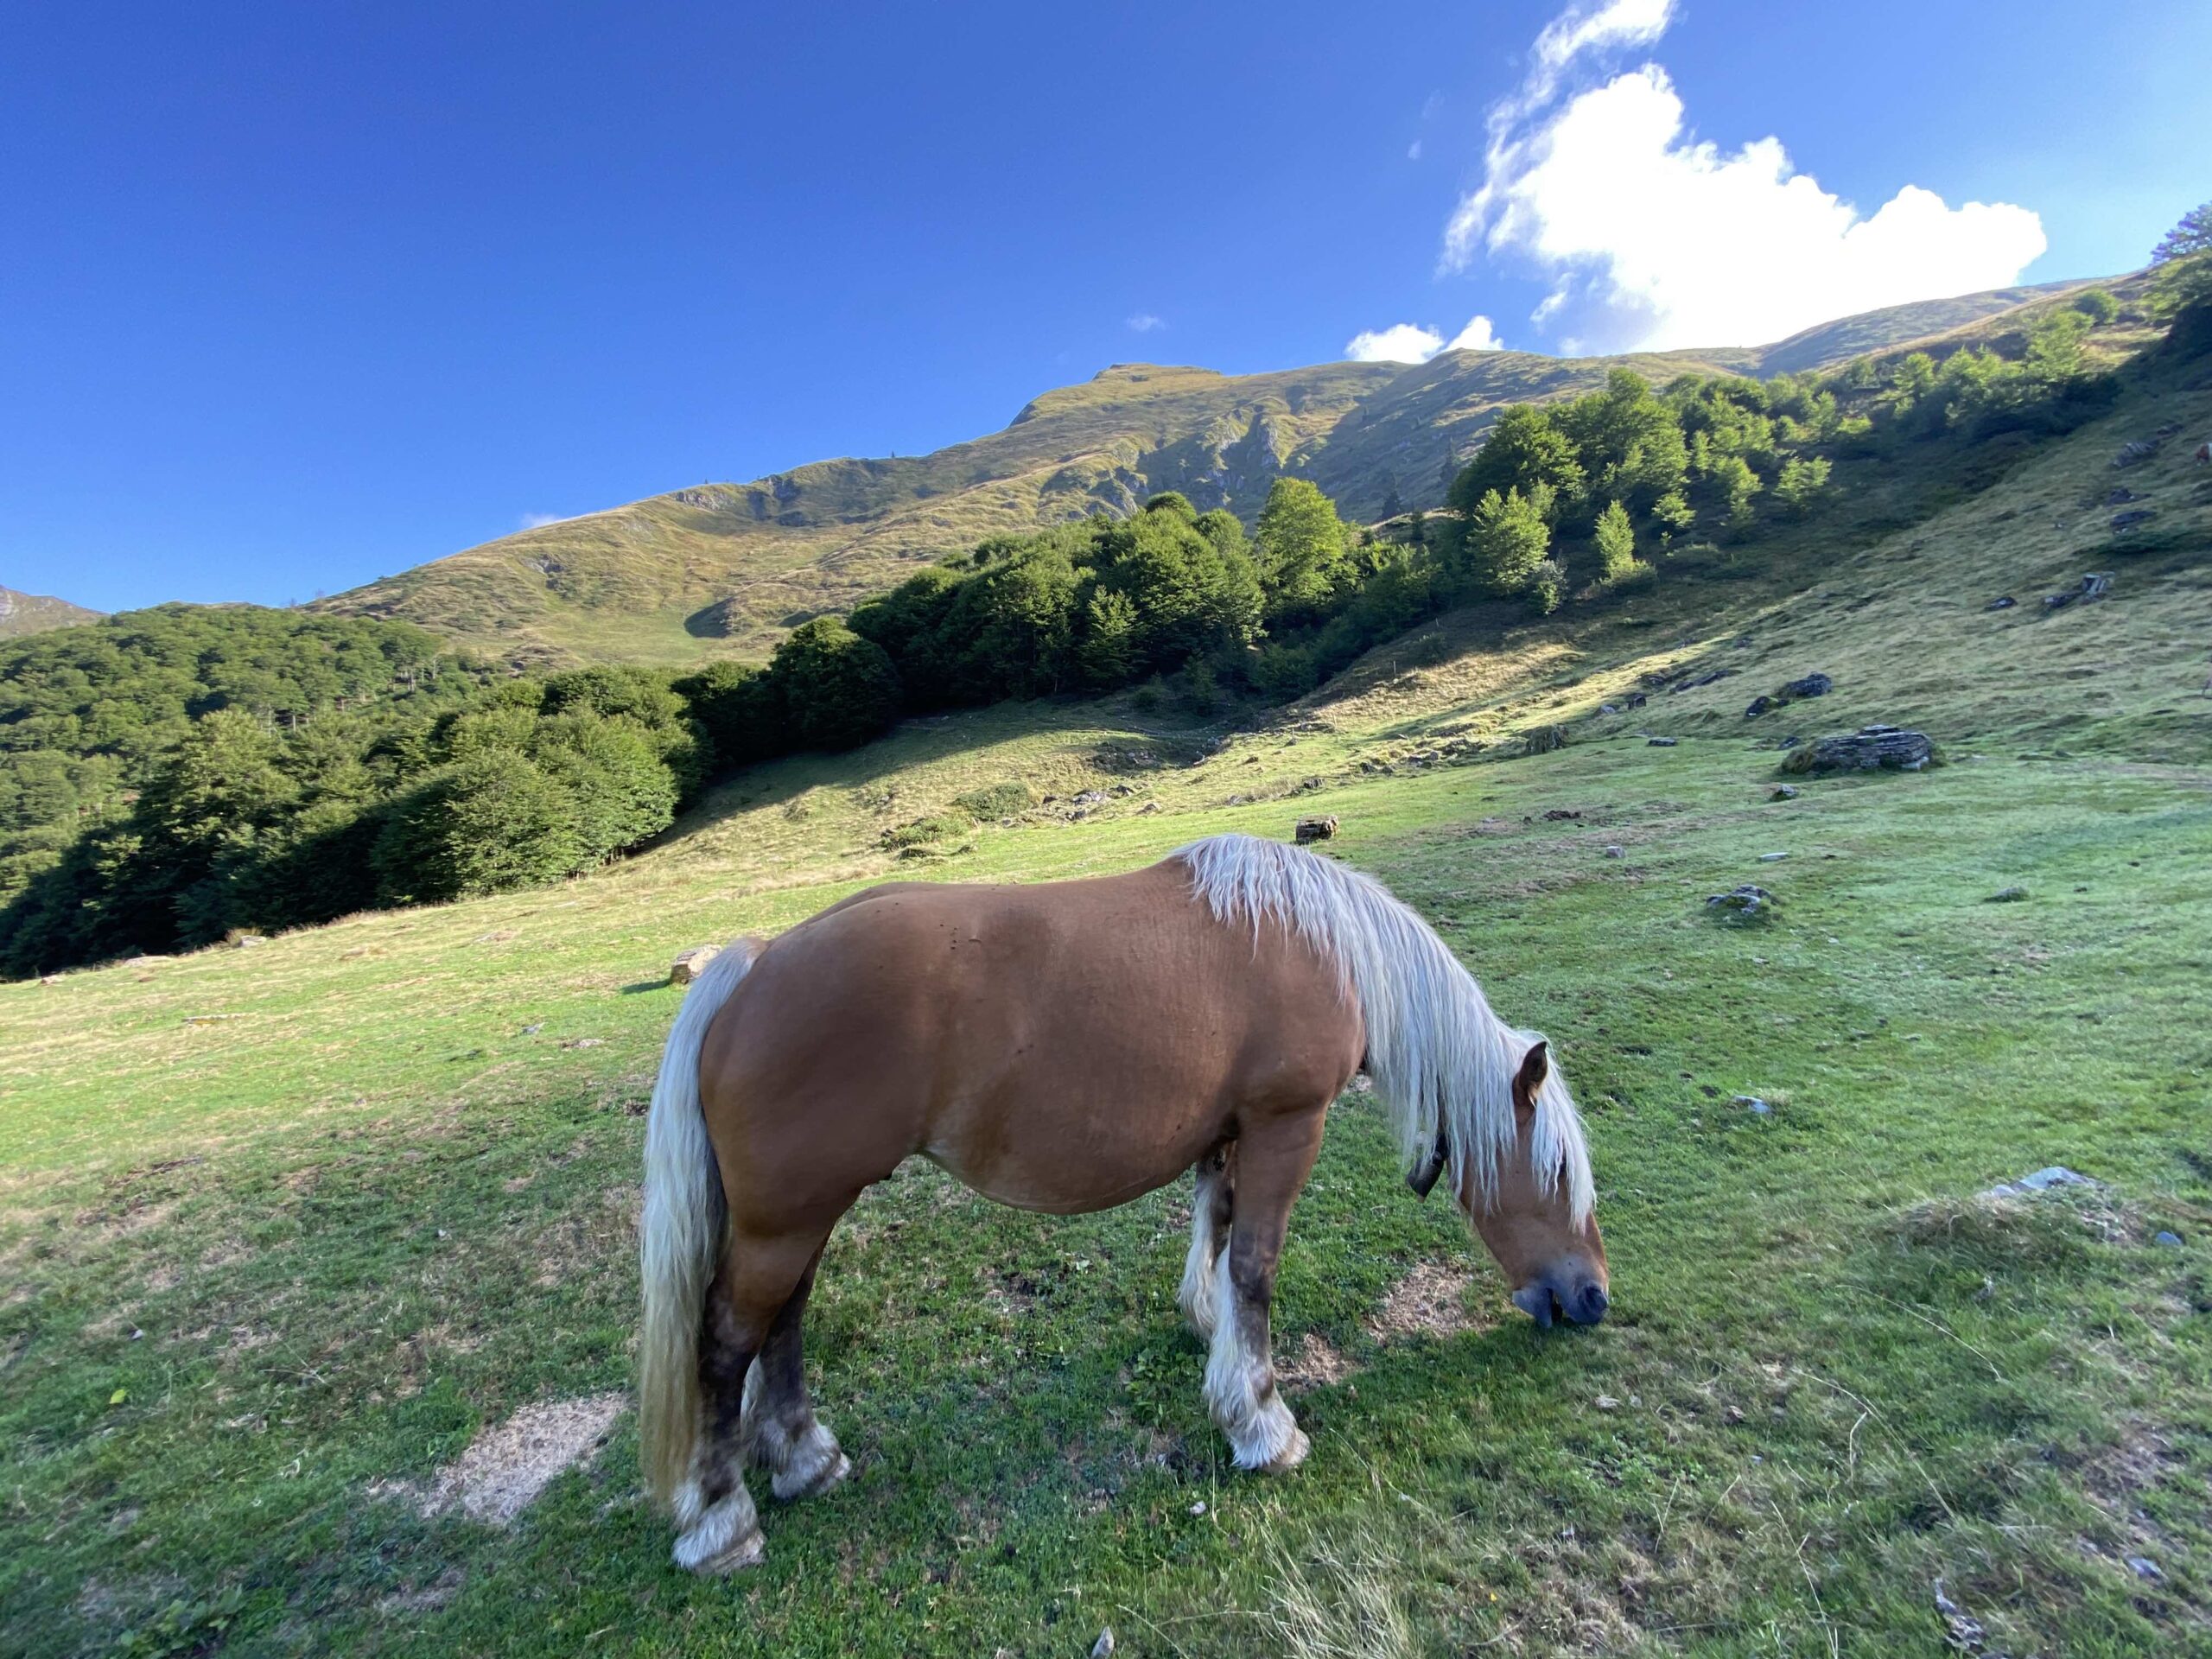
x,y
1320,828
691,963
1742,906
1813,685
1870,748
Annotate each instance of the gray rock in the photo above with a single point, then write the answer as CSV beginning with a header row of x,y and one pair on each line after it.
x,y
2120,497
1542,739
1103,1646
1813,685
1754,1105
1616,852
1783,793
1772,858
2041,1181
2006,896
1759,706
2172,1241
2095,585
1742,905
1870,748
1320,828
2144,1567
2134,518
2135,454
2004,602
1661,743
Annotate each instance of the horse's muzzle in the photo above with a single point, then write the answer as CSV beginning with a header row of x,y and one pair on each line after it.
x,y
1580,1304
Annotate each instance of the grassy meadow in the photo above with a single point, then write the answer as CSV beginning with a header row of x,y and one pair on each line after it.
x,y
282,1231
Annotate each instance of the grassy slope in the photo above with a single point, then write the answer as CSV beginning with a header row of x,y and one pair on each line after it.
x,y
23,614
390,1197
729,566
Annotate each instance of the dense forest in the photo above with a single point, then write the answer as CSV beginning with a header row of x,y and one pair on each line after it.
x,y
170,776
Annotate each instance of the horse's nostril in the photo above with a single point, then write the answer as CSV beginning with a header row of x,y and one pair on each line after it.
x,y
1591,1305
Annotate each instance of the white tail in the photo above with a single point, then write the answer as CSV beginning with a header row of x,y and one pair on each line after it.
x,y
681,1235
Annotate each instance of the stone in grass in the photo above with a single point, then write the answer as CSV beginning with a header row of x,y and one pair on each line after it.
x,y
2006,896
2171,1241
1743,905
1661,743
1754,1105
691,963
2041,1181
1813,685
1320,828
1783,793
2144,1567
1870,748
1103,1646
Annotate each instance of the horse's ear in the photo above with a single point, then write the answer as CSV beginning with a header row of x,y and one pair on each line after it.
x,y
1535,1066
1422,1176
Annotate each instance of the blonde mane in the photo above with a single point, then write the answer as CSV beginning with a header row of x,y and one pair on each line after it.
x,y
1439,1057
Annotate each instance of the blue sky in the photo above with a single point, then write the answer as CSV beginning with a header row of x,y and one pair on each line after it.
x,y
294,297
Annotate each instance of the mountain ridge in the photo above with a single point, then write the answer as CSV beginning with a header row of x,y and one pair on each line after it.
x,y
23,614
725,568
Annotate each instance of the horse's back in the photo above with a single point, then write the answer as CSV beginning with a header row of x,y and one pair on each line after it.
x,y
1063,1046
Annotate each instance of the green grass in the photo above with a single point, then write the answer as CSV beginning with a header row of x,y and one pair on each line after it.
x,y
258,1265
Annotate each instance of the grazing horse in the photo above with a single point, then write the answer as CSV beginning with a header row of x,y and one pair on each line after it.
x,y
1065,1047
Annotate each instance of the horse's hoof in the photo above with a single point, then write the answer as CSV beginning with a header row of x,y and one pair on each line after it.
x,y
747,1551
723,1539
829,1477
1291,1456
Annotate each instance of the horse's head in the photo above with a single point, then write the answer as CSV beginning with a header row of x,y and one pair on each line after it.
x,y
1554,1263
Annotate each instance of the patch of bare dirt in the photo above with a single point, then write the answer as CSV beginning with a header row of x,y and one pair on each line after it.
x,y
1315,1365
508,1465
1429,1301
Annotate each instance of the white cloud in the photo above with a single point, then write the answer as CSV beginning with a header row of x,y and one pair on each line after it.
x,y
1653,239
539,520
1144,322
1476,336
1409,342
1413,150
1401,342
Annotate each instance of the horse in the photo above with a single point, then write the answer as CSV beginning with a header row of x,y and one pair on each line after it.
x,y
1065,1047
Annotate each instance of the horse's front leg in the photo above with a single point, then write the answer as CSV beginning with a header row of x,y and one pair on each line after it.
x,y
1273,1158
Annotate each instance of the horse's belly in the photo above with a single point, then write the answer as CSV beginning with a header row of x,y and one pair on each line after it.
x,y
1069,1155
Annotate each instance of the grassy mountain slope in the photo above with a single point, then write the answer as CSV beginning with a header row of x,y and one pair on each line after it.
x,y
23,614
375,1187
729,568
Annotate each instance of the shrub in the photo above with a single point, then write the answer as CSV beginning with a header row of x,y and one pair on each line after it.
x,y
996,800
837,689
1615,539
2096,304
486,824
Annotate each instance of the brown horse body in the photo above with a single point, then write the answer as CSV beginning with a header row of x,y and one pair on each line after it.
x,y
1067,1047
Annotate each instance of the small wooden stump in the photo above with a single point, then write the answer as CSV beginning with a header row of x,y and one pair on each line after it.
x,y
1322,828
689,965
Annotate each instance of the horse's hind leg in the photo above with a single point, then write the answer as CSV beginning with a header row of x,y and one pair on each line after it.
x,y
780,1432
1273,1162
719,1530
1210,1220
